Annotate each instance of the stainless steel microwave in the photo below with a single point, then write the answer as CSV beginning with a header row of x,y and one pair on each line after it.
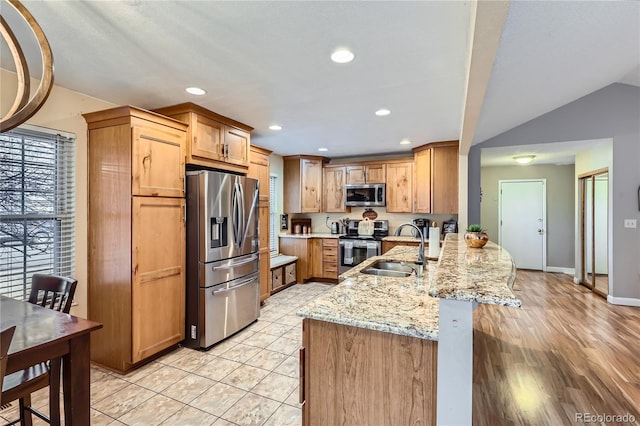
x,y
365,195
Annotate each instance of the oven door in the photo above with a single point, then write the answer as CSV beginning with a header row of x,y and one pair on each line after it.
x,y
354,252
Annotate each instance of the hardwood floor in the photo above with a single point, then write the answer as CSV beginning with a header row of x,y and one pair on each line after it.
x,y
566,351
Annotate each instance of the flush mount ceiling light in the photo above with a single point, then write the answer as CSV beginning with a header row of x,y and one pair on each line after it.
x,y
342,55
195,91
405,142
524,159
275,127
382,112
323,149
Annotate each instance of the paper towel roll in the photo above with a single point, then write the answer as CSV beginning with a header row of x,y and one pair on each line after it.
x,y
434,242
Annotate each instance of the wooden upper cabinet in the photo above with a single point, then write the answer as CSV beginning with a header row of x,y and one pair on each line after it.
x,y
399,187
157,161
212,139
366,173
422,181
311,186
302,183
436,177
259,169
333,195
444,179
237,143
207,137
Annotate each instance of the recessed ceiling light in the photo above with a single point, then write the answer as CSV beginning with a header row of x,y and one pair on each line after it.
x,y
342,55
382,112
196,91
275,127
405,142
323,149
524,159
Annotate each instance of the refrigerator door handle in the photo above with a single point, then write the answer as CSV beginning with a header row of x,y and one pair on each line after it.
x,y
243,230
235,287
232,265
236,216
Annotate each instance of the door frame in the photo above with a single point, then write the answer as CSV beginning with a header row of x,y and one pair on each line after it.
x,y
582,179
544,213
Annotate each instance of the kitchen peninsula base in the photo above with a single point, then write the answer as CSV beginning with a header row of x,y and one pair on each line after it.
x,y
356,376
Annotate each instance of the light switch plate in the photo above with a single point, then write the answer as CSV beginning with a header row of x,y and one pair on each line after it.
x,y
629,223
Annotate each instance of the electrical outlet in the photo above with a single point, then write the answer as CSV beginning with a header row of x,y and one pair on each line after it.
x,y
629,223
193,331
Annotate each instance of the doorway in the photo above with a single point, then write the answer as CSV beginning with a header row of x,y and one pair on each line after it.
x,y
594,207
522,211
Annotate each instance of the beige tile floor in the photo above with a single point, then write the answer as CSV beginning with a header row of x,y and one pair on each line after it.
x,y
249,379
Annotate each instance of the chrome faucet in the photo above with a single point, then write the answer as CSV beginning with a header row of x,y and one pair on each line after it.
x,y
420,260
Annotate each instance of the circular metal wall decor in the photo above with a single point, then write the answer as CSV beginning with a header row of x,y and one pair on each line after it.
x,y
23,106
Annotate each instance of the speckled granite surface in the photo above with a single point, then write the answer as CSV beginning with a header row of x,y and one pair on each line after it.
x,y
395,305
313,235
406,306
483,275
404,239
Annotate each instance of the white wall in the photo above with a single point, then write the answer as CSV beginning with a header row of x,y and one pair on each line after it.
x,y
63,111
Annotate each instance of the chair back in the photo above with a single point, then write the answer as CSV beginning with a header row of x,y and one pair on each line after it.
x,y
53,291
5,342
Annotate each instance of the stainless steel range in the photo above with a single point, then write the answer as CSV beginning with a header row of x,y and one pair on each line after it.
x,y
355,247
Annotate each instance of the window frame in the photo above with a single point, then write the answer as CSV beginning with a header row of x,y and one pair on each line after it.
x,y
33,241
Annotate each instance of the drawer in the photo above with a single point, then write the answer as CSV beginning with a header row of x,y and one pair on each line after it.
x,y
330,242
330,270
290,274
276,278
329,252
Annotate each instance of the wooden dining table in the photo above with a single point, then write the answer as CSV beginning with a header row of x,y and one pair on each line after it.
x,y
42,334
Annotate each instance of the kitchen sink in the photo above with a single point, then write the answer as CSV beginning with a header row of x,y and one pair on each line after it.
x,y
388,268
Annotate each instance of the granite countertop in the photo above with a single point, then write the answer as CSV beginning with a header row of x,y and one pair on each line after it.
x,y
484,275
409,306
394,305
312,235
404,238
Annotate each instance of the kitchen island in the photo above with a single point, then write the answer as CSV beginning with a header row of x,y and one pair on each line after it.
x,y
373,346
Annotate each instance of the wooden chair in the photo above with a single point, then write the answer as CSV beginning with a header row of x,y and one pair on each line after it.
x,y
56,293
5,342
52,291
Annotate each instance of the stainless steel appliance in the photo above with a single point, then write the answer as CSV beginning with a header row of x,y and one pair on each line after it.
x,y
335,228
223,289
423,224
353,248
365,195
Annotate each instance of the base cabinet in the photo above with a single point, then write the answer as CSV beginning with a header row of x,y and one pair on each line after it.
x,y
354,376
317,257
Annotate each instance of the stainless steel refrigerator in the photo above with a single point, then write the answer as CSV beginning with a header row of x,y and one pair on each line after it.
x,y
223,288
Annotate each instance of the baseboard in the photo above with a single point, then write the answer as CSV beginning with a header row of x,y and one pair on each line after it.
x,y
625,301
560,270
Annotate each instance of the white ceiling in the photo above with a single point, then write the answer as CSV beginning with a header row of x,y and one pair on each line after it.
x,y
560,153
268,62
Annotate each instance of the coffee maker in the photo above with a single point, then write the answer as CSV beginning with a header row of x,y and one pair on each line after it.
x,y
423,224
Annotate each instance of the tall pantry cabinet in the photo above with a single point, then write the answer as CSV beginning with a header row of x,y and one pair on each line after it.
x,y
136,234
259,169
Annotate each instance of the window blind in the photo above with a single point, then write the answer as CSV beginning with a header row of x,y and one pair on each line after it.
x,y
273,215
37,207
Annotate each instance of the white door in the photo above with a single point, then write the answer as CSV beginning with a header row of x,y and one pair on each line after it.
x,y
522,222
